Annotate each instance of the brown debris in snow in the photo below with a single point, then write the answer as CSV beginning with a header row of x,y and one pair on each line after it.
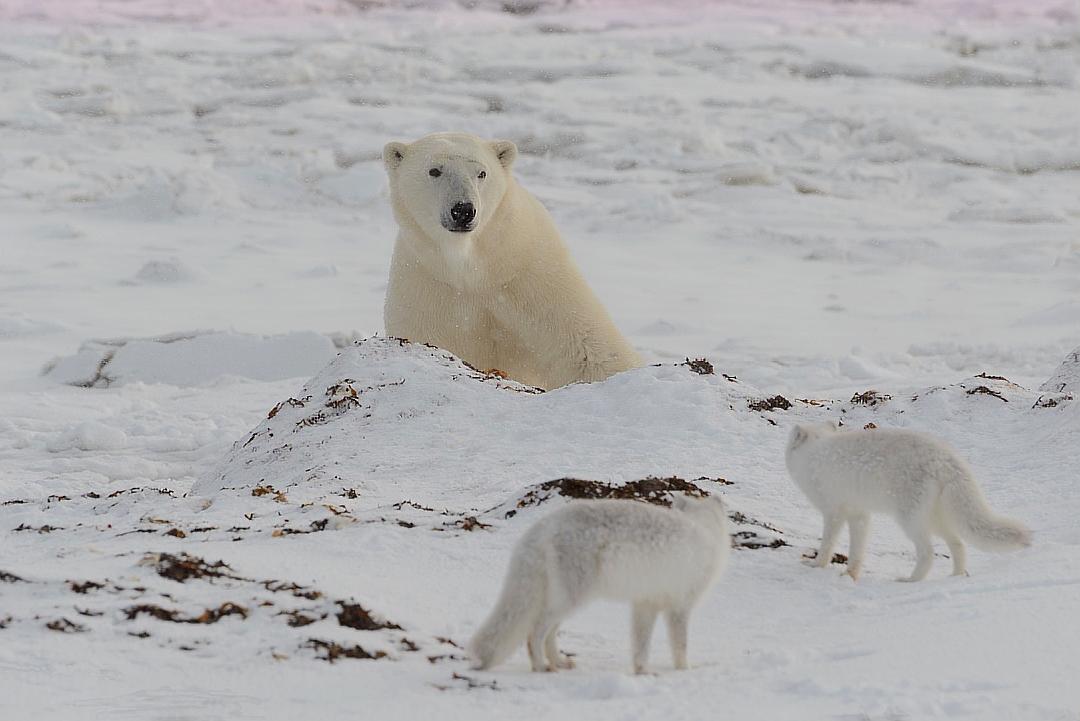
x,y
769,404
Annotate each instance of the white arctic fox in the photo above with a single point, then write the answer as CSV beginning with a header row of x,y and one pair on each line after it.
x,y
915,478
659,559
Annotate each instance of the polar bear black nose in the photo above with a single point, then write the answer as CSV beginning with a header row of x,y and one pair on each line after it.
x,y
462,214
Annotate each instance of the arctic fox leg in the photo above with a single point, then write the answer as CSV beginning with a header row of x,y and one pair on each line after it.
x,y
546,625
677,621
858,529
536,656
644,617
958,553
919,533
829,534
551,651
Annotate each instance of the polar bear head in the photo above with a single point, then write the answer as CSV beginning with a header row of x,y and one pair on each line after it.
x,y
449,184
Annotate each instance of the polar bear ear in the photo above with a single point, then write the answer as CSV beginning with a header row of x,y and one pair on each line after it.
x,y
393,154
505,151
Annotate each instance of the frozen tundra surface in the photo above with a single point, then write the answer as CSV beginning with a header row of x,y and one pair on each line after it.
x,y
338,555
821,195
822,199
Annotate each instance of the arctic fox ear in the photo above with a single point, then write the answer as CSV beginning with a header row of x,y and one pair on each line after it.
x,y
799,434
505,151
393,154
680,501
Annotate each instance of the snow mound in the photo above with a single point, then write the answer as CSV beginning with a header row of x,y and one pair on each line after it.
x,y
746,532
383,405
186,603
193,359
1064,384
379,393
423,439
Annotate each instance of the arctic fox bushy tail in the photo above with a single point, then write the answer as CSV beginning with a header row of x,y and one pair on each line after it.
x,y
514,614
964,504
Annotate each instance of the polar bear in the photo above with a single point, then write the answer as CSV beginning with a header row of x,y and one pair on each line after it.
x,y
480,270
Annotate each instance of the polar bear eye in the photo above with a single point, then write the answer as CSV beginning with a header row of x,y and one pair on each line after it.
x,y
434,172
483,174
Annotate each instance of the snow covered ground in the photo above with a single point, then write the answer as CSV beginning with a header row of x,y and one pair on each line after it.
x,y
820,198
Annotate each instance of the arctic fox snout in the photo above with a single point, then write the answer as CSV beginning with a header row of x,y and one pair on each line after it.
x,y
915,478
659,559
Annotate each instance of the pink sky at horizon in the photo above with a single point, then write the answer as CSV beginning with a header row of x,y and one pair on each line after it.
x,y
978,12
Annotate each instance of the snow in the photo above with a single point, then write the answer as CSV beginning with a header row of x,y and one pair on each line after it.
x,y
188,359
89,436
820,198
363,490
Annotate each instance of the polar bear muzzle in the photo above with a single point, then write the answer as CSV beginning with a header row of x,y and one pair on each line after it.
x,y
461,218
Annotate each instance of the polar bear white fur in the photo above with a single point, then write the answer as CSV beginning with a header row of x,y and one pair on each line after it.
x,y
480,270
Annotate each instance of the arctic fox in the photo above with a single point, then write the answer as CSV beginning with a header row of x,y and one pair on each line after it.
x,y
915,478
659,559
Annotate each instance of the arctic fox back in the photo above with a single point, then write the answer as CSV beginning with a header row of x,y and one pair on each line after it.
x,y
893,458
